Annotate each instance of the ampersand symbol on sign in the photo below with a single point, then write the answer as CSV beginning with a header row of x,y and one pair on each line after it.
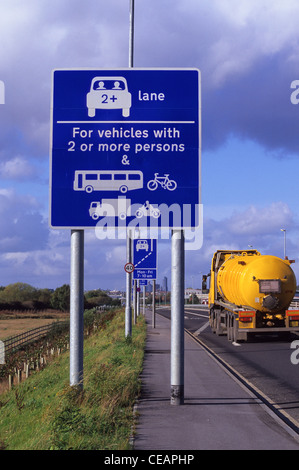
x,y
125,160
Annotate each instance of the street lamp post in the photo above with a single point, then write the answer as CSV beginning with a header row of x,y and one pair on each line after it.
x,y
284,243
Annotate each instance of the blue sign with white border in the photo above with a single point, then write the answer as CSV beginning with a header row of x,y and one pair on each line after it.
x,y
145,258
125,147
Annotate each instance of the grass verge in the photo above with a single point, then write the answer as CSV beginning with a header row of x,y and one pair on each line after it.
x,y
44,412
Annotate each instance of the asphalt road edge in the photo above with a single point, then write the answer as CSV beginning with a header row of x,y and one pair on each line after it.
x,y
289,423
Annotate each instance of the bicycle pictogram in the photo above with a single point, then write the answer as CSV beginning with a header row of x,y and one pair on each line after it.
x,y
164,181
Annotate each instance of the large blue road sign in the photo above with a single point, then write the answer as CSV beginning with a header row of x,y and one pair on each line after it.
x,y
145,258
125,147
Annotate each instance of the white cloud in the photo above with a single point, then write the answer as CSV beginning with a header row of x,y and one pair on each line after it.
x,y
22,227
17,259
249,31
261,221
17,168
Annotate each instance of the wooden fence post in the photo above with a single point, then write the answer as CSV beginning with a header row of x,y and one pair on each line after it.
x,y
10,381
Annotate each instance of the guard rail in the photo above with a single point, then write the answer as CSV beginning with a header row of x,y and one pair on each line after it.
x,y
14,343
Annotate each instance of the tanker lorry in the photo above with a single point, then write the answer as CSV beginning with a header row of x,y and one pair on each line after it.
x,y
251,293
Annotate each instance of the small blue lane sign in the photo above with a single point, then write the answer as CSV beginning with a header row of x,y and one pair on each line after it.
x,y
145,258
125,148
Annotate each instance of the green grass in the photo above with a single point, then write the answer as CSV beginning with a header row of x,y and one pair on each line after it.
x,y
44,412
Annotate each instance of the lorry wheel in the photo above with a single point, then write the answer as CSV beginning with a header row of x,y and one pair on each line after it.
x,y
235,331
212,320
229,327
218,326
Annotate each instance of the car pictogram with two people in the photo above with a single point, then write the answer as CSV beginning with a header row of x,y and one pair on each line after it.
x,y
109,93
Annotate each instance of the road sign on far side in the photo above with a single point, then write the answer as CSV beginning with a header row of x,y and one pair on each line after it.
x,y
125,148
145,258
129,267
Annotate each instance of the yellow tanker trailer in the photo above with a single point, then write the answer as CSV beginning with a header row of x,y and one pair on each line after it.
x,y
251,293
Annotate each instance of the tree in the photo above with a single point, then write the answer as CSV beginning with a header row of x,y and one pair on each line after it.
x,y
96,297
18,292
44,296
60,299
93,293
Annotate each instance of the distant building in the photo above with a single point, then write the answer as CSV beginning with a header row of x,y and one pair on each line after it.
x,y
189,291
149,287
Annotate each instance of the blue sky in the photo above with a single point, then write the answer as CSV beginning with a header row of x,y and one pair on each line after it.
x,y
248,54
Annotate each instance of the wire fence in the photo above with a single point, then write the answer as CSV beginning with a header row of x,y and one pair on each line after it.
x,y
14,343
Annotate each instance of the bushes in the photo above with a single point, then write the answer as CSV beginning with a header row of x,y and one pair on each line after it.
x,y
22,296
60,299
49,414
101,417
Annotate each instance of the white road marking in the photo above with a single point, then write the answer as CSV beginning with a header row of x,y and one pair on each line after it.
x,y
197,332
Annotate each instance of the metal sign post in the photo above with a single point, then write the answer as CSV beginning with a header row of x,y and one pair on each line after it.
x,y
131,34
154,305
138,299
143,284
134,302
177,318
128,311
76,308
